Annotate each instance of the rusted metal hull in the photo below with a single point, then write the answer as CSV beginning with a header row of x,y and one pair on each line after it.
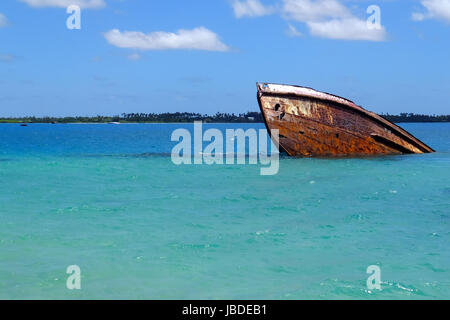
x,y
318,124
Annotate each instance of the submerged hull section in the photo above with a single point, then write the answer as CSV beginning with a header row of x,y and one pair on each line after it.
x,y
313,123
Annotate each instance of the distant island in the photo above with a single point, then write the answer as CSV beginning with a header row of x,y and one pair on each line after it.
x,y
180,117
176,117
412,117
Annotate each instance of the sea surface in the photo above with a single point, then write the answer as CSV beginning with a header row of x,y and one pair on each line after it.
x,y
108,199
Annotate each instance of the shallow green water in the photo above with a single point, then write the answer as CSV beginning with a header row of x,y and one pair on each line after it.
x,y
107,199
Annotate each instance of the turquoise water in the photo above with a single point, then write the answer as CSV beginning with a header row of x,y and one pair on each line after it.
x,y
108,199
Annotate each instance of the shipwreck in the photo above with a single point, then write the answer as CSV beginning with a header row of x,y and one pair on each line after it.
x,y
318,124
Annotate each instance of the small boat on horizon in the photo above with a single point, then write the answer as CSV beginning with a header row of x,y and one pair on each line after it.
x,y
318,124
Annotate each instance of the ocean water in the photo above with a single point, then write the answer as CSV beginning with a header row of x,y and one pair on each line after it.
x,y
109,199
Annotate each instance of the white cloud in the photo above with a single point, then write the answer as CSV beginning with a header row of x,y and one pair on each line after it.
x,y
86,4
331,19
308,10
346,29
293,32
195,39
250,8
435,9
324,18
3,20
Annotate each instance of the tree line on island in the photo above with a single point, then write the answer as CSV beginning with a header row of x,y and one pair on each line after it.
x,y
178,117
168,117
412,117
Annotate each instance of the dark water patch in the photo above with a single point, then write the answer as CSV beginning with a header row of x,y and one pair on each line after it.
x,y
433,268
146,155
194,246
198,226
118,156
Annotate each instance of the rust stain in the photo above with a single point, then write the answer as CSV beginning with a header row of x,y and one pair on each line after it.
x,y
313,123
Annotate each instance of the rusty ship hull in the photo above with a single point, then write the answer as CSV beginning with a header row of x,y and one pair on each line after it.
x,y
318,124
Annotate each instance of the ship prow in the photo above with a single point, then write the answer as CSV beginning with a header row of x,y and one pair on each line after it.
x,y
312,123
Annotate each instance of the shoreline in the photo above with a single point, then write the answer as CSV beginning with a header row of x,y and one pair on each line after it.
x,y
190,117
180,122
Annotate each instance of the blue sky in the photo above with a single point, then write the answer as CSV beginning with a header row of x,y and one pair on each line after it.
x,y
129,55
